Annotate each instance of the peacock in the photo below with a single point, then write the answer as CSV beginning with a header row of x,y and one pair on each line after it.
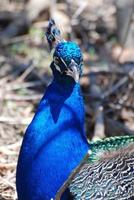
x,y
56,161
54,142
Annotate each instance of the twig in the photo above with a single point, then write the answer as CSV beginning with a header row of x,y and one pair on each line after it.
x,y
40,24
126,106
7,151
16,86
7,182
10,149
30,68
14,74
80,9
26,72
53,8
119,84
118,106
99,128
14,97
16,39
8,165
12,146
15,121
96,72
114,128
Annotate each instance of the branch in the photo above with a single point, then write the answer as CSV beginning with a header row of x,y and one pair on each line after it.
x,y
99,129
119,84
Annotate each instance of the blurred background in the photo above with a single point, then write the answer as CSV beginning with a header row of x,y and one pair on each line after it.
x,y
104,29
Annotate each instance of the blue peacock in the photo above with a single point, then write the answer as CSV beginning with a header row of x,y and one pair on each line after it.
x,y
55,142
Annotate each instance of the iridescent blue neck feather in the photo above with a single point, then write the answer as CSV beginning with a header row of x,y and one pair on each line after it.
x,y
54,143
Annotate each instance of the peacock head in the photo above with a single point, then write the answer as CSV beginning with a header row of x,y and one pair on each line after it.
x,y
67,56
68,59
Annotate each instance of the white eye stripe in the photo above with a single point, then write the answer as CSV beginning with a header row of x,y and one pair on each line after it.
x,y
63,62
56,60
57,67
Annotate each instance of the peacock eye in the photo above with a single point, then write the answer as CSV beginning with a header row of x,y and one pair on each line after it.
x,y
56,60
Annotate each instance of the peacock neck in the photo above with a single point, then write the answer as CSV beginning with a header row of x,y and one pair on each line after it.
x,y
55,141
65,101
